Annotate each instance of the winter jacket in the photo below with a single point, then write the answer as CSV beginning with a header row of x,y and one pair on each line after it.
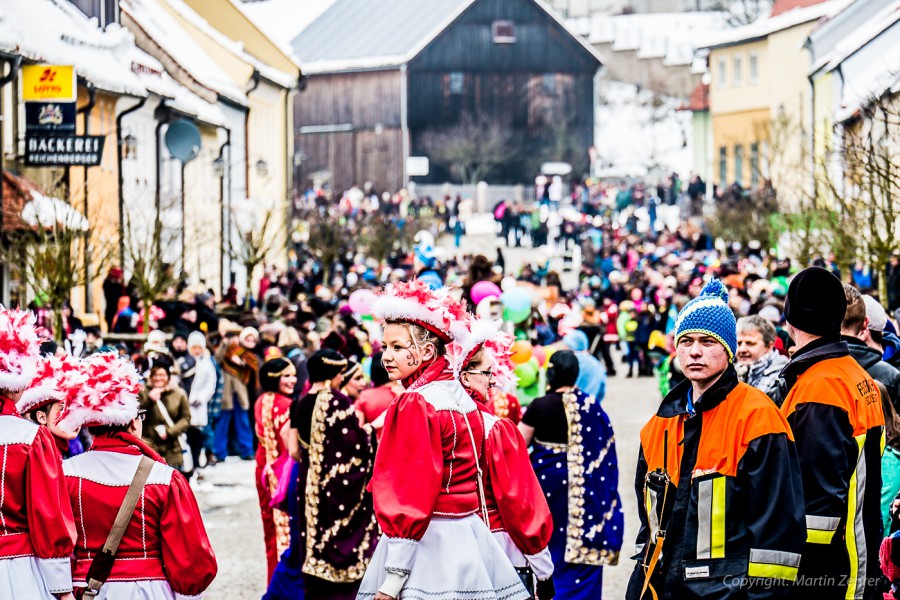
x,y
763,374
870,360
202,391
834,409
176,403
734,516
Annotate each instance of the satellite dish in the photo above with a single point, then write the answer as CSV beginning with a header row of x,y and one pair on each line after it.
x,y
183,140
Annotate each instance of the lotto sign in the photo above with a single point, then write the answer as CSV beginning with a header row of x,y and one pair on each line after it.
x,y
48,83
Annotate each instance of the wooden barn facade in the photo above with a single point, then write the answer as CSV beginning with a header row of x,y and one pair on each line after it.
x,y
385,75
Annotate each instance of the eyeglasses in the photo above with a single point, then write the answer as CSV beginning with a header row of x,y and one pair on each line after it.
x,y
142,414
487,373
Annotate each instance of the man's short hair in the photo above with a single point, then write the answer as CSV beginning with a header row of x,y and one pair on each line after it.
x,y
760,324
855,316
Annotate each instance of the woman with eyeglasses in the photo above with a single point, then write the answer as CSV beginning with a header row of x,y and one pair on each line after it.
x,y
574,457
518,514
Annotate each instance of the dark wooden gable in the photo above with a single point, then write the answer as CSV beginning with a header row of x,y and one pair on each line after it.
x,y
541,43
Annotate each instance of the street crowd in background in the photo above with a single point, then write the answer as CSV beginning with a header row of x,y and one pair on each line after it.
x,y
303,378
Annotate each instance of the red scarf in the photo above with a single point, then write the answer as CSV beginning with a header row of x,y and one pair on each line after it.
x,y
436,370
120,439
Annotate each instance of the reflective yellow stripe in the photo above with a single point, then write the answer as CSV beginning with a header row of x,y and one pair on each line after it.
x,y
717,522
852,500
768,571
818,536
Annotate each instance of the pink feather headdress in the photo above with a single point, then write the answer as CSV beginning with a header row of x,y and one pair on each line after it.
x,y
110,396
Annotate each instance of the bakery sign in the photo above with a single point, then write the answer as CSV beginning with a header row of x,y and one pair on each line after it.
x,y
64,150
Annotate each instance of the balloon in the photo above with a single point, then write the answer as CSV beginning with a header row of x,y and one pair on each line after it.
x,y
521,352
550,351
508,283
527,373
484,289
540,355
516,300
432,279
516,316
361,301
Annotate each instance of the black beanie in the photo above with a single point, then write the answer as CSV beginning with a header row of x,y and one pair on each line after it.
x,y
326,364
562,370
816,303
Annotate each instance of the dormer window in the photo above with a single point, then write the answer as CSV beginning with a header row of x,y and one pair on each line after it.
x,y
504,32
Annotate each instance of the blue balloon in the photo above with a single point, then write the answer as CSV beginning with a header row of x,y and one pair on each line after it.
x,y
432,279
516,300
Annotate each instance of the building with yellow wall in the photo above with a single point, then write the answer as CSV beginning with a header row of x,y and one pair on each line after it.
x,y
759,101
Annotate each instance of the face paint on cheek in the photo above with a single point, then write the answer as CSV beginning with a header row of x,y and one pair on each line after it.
x,y
412,359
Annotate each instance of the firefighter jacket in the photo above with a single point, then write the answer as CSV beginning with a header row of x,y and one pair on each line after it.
x,y
733,515
834,409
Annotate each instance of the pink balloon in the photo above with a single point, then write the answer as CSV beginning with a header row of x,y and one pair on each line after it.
x,y
484,289
361,301
538,353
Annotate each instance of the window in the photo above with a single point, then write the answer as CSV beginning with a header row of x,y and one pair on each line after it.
x,y
720,77
737,76
548,84
456,83
105,11
504,32
739,164
754,67
754,165
723,166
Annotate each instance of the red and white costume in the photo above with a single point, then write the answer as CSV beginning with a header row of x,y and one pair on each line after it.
x,y
425,485
36,527
165,553
517,508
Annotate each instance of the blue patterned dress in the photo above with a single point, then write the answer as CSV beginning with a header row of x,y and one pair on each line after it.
x,y
580,480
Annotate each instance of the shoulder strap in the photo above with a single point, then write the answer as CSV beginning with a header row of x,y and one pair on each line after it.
x,y
102,564
164,413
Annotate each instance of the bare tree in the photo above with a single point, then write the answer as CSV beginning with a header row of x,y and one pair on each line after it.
x,y
329,237
252,244
471,148
740,12
151,275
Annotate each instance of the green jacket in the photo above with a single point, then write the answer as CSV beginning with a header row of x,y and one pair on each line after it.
x,y
176,403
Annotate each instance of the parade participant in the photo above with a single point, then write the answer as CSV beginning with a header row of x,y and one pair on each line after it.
x,y
512,492
337,528
277,379
168,415
757,361
719,489
574,457
428,484
57,378
353,381
591,376
834,409
164,551
38,529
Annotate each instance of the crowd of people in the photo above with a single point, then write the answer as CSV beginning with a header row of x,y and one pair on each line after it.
x,y
433,424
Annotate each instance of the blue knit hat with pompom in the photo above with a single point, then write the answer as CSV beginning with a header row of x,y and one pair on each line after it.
x,y
710,315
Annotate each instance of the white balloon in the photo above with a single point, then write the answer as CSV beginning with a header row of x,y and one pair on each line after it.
x,y
508,283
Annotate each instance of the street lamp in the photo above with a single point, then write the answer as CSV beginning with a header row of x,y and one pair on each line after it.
x,y
262,168
129,146
219,167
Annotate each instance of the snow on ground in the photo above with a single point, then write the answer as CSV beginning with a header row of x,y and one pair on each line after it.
x,y
635,138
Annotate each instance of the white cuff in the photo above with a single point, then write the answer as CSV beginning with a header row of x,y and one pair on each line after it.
x,y
400,554
186,597
57,574
541,563
393,584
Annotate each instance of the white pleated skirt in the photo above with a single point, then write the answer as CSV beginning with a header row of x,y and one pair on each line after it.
x,y
457,559
153,589
21,578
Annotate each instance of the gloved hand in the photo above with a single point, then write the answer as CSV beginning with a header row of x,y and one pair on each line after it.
x,y
545,589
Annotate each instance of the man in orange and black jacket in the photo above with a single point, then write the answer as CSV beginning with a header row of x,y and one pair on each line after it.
x,y
834,409
718,482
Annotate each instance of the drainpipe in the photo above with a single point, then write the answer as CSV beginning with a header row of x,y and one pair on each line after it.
x,y
86,112
5,79
226,170
161,114
119,142
255,78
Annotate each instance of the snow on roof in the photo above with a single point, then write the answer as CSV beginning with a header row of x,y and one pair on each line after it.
x,y
167,32
877,78
877,24
55,32
286,80
153,75
767,25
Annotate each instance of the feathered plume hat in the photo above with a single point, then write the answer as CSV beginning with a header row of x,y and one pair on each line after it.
x,y
487,335
58,379
110,396
20,349
415,302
